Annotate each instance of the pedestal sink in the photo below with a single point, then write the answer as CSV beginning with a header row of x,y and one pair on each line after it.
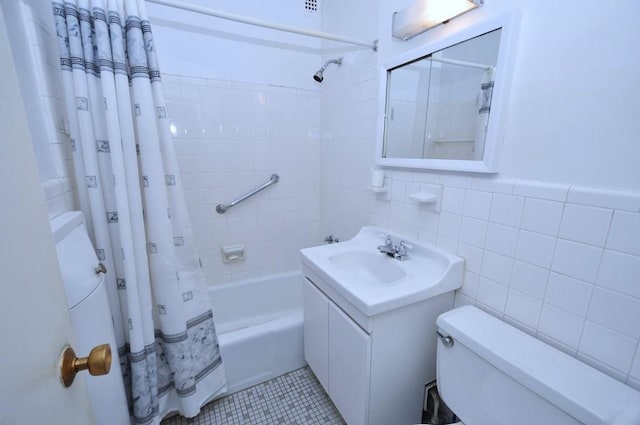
x,y
369,323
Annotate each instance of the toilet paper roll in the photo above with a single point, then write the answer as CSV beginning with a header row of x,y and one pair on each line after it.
x,y
377,178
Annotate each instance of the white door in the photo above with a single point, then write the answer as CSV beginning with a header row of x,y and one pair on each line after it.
x,y
34,319
316,332
349,367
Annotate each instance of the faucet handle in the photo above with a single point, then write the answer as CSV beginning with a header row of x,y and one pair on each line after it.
x,y
330,239
401,253
405,246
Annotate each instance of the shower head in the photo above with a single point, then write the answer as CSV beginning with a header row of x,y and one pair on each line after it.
x,y
318,75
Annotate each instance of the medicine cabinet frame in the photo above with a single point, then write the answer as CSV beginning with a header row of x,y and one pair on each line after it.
x,y
509,23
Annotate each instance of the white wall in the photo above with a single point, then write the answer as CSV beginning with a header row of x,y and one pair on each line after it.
x,y
572,110
207,47
575,92
348,115
35,50
551,244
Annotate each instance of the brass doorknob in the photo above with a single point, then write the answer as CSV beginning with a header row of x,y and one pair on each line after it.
x,y
98,363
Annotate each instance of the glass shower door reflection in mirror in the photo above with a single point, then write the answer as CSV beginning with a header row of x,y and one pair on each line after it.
x,y
407,103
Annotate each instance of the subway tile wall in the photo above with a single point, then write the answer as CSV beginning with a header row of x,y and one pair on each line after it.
x,y
230,137
557,261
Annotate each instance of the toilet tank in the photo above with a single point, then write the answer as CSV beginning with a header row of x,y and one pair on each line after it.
x,y
496,374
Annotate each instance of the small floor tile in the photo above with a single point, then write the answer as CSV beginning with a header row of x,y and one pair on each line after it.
x,y
294,398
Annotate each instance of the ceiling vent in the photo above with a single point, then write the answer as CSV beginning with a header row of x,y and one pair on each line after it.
x,y
311,5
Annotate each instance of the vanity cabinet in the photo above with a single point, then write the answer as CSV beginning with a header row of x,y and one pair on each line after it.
x,y
316,332
349,366
373,368
339,353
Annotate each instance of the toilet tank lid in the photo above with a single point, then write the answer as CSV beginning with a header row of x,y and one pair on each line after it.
x,y
574,387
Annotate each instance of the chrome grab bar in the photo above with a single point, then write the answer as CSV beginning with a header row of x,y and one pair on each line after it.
x,y
222,208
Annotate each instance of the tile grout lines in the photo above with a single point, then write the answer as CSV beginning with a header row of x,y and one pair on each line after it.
x,y
293,398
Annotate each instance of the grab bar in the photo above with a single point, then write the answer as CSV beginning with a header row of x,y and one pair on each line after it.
x,y
222,208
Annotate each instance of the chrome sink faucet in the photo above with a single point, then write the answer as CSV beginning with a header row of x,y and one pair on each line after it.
x,y
399,252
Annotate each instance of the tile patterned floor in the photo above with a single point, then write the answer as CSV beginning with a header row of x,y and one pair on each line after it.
x,y
296,398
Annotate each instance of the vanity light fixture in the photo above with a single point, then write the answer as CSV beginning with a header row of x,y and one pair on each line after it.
x,y
421,15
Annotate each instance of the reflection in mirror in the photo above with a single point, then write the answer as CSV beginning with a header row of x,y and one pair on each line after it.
x,y
445,101
438,105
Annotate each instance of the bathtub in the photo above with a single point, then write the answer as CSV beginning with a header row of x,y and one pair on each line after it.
x,y
259,326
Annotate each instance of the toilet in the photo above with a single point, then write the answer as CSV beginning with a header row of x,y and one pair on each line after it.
x,y
490,373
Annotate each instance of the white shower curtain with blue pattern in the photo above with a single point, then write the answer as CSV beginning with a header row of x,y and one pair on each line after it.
x,y
131,193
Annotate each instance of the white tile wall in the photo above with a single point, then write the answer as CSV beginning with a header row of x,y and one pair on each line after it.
x,y
529,279
608,346
616,311
349,107
635,372
501,239
585,224
565,272
506,209
576,260
523,308
453,200
561,325
496,267
36,56
542,216
230,137
473,231
535,248
492,294
620,272
569,294
625,232
477,204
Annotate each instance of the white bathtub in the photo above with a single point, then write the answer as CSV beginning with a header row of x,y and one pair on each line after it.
x,y
259,326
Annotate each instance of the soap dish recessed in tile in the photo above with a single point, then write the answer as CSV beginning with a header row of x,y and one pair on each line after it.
x,y
380,189
424,197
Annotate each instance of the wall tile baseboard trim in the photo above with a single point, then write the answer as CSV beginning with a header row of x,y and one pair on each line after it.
x,y
581,195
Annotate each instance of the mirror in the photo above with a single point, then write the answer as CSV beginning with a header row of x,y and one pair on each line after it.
x,y
444,100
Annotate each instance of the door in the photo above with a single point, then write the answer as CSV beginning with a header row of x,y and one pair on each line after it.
x,y
349,367
316,332
34,319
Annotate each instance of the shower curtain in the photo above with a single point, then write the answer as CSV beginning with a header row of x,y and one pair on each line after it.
x,y
131,194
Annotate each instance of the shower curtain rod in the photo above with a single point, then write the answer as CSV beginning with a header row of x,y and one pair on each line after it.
x,y
237,18
460,63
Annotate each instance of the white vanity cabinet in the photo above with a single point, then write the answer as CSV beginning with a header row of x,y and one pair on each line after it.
x,y
373,368
339,353
316,332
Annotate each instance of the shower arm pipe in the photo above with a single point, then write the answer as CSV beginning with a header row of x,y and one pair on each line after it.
x,y
222,208
237,18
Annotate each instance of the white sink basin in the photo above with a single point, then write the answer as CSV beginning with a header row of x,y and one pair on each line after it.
x,y
374,282
369,267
